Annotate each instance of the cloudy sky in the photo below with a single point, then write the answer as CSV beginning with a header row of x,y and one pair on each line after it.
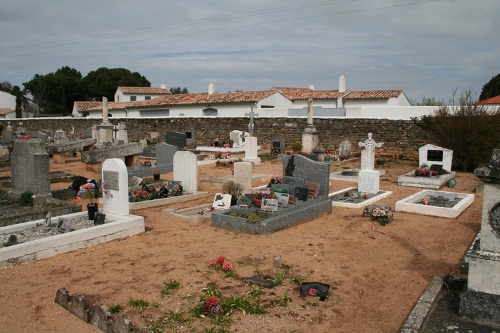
x,y
425,47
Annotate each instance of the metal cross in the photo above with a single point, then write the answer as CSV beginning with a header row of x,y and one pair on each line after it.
x,y
251,114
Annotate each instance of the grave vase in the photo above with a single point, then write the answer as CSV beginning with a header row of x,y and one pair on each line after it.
x,y
92,208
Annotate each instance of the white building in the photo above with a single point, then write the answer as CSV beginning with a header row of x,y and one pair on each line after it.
x,y
133,94
7,106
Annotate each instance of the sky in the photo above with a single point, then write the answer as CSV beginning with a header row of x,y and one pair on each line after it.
x,y
429,48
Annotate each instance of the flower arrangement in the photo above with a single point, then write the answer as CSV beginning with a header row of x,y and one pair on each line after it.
x,y
221,264
211,306
276,179
382,214
424,172
227,154
142,195
105,190
88,191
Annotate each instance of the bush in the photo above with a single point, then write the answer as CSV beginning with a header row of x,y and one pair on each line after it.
x,y
467,128
26,199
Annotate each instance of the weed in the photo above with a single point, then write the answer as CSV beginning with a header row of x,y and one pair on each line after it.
x,y
282,301
212,290
26,199
278,278
297,279
169,287
239,303
254,293
116,308
311,272
139,304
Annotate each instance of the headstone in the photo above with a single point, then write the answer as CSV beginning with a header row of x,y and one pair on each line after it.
x,y
277,144
251,150
178,139
190,137
20,131
134,181
99,218
221,201
104,134
42,136
368,154
186,170
368,181
114,174
432,154
300,166
243,175
87,133
292,182
60,137
8,134
236,136
345,148
243,201
165,153
121,134
481,300
30,169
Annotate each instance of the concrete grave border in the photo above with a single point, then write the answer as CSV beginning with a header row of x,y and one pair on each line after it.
x,y
367,202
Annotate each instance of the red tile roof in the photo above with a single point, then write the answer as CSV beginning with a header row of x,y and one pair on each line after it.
x,y
492,100
6,111
373,94
306,93
144,90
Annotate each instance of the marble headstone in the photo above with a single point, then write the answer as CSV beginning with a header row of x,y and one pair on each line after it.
x,y
186,170
114,174
300,166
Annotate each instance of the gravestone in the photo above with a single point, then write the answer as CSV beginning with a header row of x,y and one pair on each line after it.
x,y
432,154
121,134
190,137
277,144
300,166
60,137
236,136
30,170
114,174
20,131
243,175
345,148
368,181
481,300
178,139
87,133
222,201
8,134
42,136
310,136
368,154
165,154
251,150
186,170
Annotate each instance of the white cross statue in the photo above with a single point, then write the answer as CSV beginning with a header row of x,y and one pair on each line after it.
x,y
370,146
250,124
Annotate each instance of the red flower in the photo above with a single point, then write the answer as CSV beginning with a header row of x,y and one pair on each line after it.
x,y
312,292
212,262
366,196
220,260
210,302
228,266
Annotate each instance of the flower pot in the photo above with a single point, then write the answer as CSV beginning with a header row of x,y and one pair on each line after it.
x,y
92,209
257,202
156,176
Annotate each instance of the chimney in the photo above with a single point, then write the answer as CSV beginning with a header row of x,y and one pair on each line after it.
x,y
163,86
341,83
311,86
211,88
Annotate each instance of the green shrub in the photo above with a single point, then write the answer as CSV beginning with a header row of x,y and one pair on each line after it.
x,y
26,199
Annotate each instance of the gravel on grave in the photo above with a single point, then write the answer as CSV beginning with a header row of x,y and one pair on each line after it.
x,y
41,231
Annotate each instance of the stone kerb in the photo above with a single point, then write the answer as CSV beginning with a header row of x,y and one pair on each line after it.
x,y
115,193
186,170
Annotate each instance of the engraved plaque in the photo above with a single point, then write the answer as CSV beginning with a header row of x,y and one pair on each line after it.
x,y
111,180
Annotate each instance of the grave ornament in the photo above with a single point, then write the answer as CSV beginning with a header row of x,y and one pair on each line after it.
x,y
316,289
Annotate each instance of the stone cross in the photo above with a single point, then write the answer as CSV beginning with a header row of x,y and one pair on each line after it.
x,y
370,146
104,109
250,124
310,111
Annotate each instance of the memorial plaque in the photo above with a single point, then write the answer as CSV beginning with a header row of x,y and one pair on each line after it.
x,y
313,189
269,205
111,180
435,155
283,199
302,193
134,181
222,201
437,167
99,218
316,289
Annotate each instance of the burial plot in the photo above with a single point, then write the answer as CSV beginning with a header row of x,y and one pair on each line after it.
x,y
190,138
277,144
435,203
186,170
178,139
164,161
274,216
434,169
251,149
114,175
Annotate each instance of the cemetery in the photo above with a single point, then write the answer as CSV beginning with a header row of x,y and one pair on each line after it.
x,y
309,231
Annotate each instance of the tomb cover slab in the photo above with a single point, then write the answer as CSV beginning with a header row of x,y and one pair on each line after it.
x,y
409,179
348,198
435,203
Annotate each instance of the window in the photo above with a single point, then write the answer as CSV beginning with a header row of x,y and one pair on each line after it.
x,y
210,112
147,98
133,98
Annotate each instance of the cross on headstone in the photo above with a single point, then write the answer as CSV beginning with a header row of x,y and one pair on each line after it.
x,y
251,114
370,146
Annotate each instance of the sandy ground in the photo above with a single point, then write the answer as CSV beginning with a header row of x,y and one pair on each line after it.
x,y
376,273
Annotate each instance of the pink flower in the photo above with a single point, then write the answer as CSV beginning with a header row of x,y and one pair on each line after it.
x,y
312,292
212,262
220,260
228,266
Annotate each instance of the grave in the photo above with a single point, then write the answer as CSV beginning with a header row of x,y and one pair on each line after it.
x,y
251,149
237,137
186,170
190,138
481,300
178,139
198,214
345,149
314,205
352,198
243,175
310,136
277,143
435,203
64,151
431,157
164,154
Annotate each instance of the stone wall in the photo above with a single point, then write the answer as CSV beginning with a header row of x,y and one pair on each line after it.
x,y
400,137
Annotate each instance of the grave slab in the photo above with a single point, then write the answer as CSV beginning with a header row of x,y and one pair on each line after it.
x,y
198,214
379,196
437,182
412,204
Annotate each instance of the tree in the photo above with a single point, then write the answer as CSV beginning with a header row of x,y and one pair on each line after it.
x,y
59,89
467,128
5,86
20,100
430,102
491,89
104,81
178,90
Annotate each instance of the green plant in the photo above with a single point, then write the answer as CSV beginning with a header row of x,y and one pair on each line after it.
x,y
26,199
297,279
282,301
116,308
240,303
169,287
254,293
212,290
296,146
138,304
278,278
